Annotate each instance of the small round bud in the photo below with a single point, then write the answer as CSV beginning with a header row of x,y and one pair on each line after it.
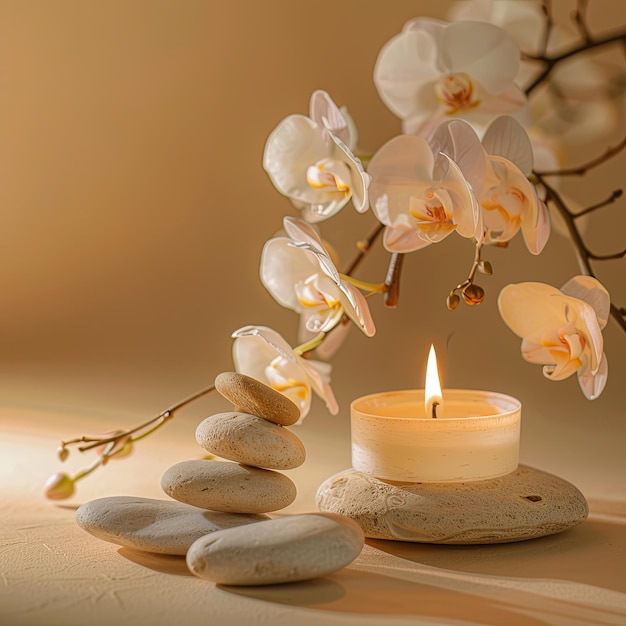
x,y
485,268
59,487
473,294
452,301
62,453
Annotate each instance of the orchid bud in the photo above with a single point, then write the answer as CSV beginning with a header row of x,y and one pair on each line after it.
x,y
452,301
59,486
62,453
473,294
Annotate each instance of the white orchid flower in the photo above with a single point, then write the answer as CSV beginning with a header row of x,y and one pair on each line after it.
x,y
433,69
420,197
263,354
561,329
308,161
524,22
509,200
299,273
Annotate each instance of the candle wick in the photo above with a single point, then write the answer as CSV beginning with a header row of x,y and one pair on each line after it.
x,y
434,410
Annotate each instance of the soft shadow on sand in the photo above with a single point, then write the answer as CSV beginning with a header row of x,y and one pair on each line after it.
x,y
164,563
585,554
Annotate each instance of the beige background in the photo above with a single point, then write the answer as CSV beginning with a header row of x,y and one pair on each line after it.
x,y
134,207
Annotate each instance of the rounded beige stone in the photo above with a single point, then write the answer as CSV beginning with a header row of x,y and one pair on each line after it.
x,y
287,549
251,440
229,487
160,526
252,396
524,504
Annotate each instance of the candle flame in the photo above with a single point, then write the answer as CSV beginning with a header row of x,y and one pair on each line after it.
x,y
432,392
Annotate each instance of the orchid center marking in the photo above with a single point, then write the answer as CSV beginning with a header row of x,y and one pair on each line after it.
x,y
456,92
329,174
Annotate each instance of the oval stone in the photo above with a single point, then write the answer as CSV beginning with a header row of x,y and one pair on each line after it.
x,y
230,487
251,440
287,549
252,396
160,526
524,504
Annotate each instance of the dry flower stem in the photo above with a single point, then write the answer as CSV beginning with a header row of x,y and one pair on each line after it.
x,y
589,42
393,280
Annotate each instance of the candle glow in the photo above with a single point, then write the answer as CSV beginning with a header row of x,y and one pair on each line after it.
x,y
433,398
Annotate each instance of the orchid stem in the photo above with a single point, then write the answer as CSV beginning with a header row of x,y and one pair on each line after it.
x,y
309,345
361,284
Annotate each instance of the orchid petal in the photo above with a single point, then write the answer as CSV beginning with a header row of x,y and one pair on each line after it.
x,y
518,306
404,73
319,375
403,240
360,179
302,231
402,164
262,353
325,113
592,385
536,234
333,341
483,51
457,139
593,292
357,309
584,318
507,138
296,141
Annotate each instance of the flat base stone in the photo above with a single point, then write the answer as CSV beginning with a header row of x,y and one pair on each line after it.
x,y
160,526
524,504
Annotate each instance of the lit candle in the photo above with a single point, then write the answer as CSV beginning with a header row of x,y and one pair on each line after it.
x,y
394,435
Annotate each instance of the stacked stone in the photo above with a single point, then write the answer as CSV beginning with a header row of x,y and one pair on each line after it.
x,y
256,442
217,519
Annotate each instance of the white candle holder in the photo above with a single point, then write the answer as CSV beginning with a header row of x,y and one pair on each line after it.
x,y
475,436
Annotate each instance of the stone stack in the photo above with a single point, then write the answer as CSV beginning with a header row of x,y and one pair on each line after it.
x,y
218,518
256,442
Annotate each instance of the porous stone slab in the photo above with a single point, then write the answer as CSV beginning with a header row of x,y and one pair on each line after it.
x,y
229,487
251,440
524,504
252,396
160,526
287,549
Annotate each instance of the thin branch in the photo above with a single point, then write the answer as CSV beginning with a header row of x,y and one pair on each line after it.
x,y
580,170
607,257
95,442
594,207
551,62
364,246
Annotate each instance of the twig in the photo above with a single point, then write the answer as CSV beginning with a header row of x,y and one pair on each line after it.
x,y
607,257
580,170
550,62
612,198
364,245
163,416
